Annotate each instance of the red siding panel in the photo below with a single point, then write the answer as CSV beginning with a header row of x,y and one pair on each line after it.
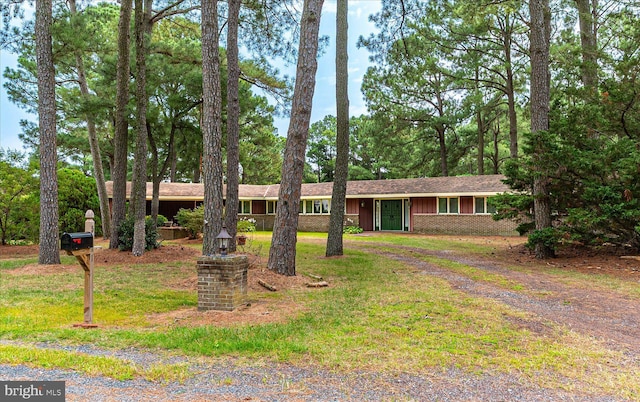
x,y
352,206
258,207
424,205
466,205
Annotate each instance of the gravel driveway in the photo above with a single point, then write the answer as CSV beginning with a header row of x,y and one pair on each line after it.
x,y
230,382
609,317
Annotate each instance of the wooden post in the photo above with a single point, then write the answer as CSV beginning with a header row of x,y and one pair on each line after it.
x,y
89,226
87,266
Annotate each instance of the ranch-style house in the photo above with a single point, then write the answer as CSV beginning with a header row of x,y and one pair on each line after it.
x,y
434,205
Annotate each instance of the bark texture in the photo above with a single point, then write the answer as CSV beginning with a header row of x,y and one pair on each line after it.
x,y
49,248
211,127
139,182
282,255
233,124
339,193
121,126
540,98
588,40
510,89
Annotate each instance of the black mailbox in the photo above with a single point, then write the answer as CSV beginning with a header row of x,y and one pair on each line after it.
x,y
76,241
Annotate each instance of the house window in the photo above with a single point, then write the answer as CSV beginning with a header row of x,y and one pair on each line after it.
x,y
483,206
325,206
448,205
315,206
271,207
480,207
244,207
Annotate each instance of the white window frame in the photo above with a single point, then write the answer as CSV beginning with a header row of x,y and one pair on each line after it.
x,y
448,204
273,205
323,206
485,206
241,207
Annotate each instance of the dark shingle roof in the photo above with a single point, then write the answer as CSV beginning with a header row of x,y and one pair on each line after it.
x,y
422,187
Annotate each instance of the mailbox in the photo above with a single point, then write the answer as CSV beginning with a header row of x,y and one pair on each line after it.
x,y
76,241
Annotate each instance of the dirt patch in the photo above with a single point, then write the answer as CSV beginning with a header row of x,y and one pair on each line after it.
x,y
257,310
160,255
8,252
612,261
39,269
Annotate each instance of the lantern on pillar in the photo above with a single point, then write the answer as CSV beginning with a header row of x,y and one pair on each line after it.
x,y
223,241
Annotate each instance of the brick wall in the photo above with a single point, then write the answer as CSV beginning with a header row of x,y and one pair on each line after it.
x,y
313,223
222,282
463,225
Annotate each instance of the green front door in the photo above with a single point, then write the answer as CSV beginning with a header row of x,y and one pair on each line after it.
x,y
391,215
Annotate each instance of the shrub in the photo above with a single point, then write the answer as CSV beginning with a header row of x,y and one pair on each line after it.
x,y
192,220
76,194
352,229
246,225
125,234
549,237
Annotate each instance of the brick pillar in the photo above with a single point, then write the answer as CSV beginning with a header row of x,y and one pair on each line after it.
x,y
222,282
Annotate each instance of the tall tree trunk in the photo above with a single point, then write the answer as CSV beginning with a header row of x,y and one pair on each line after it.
x,y
339,194
157,172
139,185
211,128
233,124
121,134
540,98
174,167
49,250
282,255
443,150
441,131
496,147
510,89
98,172
481,132
588,41
156,178
481,126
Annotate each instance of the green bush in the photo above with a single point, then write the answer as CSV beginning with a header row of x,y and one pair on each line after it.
x,y
192,220
77,193
125,234
352,229
246,225
161,220
549,237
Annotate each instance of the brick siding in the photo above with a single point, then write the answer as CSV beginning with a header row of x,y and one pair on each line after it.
x,y
463,225
222,282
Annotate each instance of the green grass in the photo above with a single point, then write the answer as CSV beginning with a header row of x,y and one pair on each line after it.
x,y
378,314
89,364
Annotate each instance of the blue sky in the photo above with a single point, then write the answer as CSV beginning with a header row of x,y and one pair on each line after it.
x,y
324,98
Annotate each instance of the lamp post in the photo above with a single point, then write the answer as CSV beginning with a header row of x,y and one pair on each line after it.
x,y
223,241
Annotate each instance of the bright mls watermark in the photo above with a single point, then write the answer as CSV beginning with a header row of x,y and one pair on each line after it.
x,y
40,391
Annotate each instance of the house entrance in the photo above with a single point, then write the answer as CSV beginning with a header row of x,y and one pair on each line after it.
x,y
391,215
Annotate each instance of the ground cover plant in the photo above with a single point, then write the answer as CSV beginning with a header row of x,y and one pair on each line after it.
x,y
382,312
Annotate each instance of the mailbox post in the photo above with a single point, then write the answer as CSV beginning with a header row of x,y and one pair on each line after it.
x,y
80,245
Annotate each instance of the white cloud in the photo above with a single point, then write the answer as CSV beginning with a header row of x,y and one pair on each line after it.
x,y
357,110
329,7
